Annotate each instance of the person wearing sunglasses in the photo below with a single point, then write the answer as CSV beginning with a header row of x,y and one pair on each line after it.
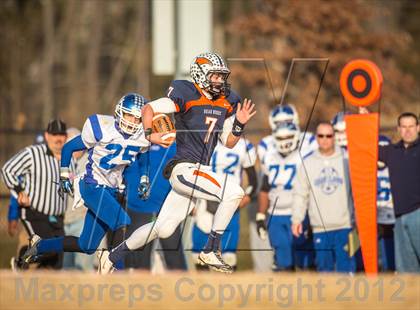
x,y
323,189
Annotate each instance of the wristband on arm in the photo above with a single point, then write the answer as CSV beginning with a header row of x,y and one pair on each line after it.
x,y
64,172
147,133
237,128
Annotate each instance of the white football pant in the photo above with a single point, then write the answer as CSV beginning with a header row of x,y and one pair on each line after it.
x,y
190,182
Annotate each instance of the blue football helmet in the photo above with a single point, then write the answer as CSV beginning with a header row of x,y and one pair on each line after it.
x,y
130,105
285,113
383,141
286,138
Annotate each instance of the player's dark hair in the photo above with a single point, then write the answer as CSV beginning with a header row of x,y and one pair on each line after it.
x,y
408,114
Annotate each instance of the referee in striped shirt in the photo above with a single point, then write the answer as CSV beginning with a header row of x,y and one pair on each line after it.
x,y
41,208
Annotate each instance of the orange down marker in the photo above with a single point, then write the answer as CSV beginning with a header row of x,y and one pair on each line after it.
x,y
362,139
361,84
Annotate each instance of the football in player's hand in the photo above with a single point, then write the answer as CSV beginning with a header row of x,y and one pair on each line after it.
x,y
162,123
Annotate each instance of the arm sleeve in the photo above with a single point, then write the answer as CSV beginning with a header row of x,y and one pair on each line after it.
x,y
300,196
265,186
143,163
74,145
252,181
163,105
17,166
227,129
13,213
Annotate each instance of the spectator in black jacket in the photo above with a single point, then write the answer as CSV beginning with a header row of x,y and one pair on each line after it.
x,y
403,161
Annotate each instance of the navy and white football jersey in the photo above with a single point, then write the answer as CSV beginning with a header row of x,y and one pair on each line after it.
x,y
384,198
281,172
198,120
110,150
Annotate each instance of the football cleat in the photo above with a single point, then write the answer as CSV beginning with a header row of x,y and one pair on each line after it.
x,y
215,261
105,265
31,254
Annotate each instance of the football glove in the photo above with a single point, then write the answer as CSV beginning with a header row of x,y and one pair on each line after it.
x,y
65,186
261,226
144,188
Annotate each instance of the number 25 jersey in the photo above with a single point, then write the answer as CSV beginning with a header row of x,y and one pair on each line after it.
x,y
110,150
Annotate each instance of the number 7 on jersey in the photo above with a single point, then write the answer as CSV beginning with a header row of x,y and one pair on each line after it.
x,y
211,121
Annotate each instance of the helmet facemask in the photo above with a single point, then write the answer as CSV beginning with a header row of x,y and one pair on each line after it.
x,y
128,126
286,138
218,88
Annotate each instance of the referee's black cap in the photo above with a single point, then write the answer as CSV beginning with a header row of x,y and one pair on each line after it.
x,y
57,127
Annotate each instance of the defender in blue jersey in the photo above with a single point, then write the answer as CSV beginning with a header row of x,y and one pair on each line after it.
x,y
205,111
113,142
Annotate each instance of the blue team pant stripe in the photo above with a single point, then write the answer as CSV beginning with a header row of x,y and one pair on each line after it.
x,y
94,122
189,184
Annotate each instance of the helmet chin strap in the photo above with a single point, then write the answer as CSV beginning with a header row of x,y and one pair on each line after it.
x,y
207,94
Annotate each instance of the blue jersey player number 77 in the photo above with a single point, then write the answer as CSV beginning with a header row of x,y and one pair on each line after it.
x,y
205,110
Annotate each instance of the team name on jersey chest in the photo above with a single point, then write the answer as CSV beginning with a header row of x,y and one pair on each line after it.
x,y
212,112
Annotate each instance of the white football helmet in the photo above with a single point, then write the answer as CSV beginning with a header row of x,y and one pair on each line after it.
x,y
203,66
285,113
286,137
130,104
339,125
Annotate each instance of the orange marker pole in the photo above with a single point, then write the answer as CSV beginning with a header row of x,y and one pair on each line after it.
x,y
361,84
362,142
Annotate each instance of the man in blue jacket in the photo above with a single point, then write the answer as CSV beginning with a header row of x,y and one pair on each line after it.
x,y
403,161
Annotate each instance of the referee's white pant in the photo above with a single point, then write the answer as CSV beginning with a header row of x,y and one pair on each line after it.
x,y
190,182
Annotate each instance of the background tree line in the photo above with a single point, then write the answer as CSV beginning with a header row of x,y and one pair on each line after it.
x,y
72,58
